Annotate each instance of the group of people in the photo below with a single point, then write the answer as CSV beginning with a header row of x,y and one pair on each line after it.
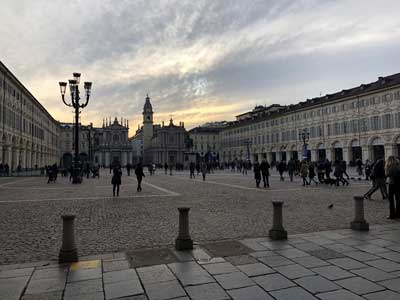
x,y
116,179
382,173
4,169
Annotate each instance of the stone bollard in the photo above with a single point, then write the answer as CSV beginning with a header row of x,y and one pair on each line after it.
x,y
278,232
68,251
359,222
183,241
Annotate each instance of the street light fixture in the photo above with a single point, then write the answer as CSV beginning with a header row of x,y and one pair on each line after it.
x,y
75,98
304,135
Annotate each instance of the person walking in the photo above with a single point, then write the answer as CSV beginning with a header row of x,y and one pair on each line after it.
x,y
291,168
392,171
264,167
139,176
128,169
166,168
359,168
116,179
311,173
192,167
281,168
338,173
304,172
368,169
343,165
204,170
257,173
378,180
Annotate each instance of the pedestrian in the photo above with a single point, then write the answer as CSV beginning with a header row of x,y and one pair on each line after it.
x,y
311,173
392,171
291,168
204,170
116,179
128,169
281,167
257,173
166,168
170,169
192,167
139,176
264,167
304,172
338,173
343,165
378,180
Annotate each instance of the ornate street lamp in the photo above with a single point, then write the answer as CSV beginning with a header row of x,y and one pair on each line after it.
x,y
304,135
248,143
75,98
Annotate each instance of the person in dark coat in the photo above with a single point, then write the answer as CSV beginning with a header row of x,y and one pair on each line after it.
x,y
378,180
311,173
116,179
392,171
166,168
128,169
139,176
291,168
281,167
264,167
257,173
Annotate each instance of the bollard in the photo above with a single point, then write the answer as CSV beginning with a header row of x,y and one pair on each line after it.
x,y
68,251
183,241
277,232
359,222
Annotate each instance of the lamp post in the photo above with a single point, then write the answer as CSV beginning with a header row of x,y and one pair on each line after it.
x,y
304,135
248,143
75,98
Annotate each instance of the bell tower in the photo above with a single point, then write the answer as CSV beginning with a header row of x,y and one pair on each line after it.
x,y
147,126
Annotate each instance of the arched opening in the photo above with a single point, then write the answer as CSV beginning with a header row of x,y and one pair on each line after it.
x,y
321,152
356,151
337,151
378,149
294,154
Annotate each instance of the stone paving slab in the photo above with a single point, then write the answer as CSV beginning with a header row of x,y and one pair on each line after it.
x,y
281,272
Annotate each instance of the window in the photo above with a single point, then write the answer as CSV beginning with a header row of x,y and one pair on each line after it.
x,y
387,121
375,123
364,124
397,95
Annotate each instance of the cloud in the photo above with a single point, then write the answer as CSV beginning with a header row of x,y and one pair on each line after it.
x,y
199,60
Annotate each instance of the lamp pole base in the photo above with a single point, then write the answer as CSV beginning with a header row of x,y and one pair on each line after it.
x,y
67,256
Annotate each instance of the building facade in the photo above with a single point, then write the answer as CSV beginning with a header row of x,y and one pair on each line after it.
x,y
28,133
100,145
159,144
361,122
206,142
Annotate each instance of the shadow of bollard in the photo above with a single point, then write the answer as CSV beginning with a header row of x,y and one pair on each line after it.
x,y
359,222
183,241
277,232
68,251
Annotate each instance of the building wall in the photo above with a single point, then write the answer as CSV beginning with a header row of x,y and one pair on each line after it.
x,y
28,133
354,127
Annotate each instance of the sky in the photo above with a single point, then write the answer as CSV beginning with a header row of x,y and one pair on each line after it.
x,y
199,61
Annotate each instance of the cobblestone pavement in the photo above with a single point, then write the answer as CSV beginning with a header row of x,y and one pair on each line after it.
x,y
225,206
329,265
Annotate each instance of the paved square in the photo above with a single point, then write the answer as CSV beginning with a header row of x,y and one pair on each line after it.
x,y
106,224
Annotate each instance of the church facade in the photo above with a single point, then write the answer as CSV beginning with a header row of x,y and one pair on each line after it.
x,y
159,144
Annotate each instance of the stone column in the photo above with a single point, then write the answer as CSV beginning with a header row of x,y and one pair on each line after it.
x,y
277,232
346,155
108,159
9,156
313,155
130,157
183,241
33,159
366,152
269,157
124,158
288,155
1,154
68,251
359,222
22,158
328,152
